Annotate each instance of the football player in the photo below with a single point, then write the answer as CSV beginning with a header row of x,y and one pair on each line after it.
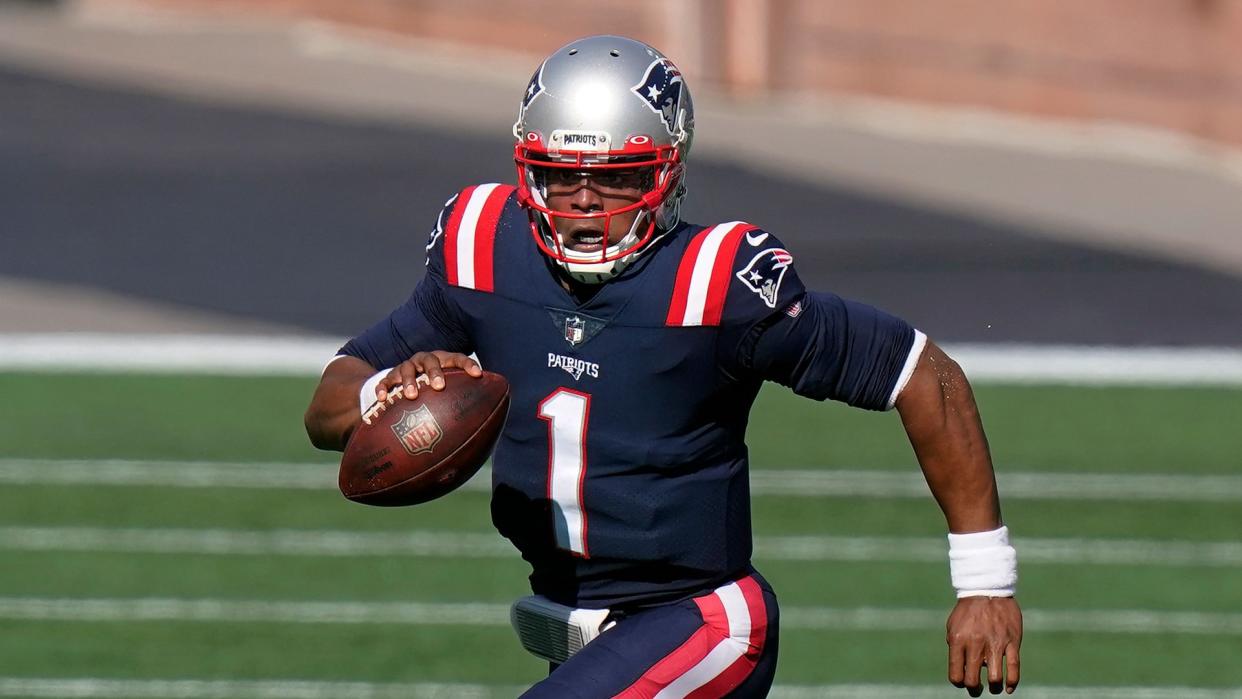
x,y
635,344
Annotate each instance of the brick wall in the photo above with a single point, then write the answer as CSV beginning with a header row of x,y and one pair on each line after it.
x,y
1169,63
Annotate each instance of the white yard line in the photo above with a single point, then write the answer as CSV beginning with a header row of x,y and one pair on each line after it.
x,y
101,688
1123,621
1026,690
306,356
1027,485
783,482
253,611
292,542
284,542
171,474
169,354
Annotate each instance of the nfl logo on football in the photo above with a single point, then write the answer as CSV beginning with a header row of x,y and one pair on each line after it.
x,y
575,329
417,430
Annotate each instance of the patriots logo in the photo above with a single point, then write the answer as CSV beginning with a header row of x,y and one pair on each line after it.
x,y
661,90
533,89
764,273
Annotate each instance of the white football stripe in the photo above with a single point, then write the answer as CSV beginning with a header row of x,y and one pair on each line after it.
x,y
725,653
291,542
717,660
1158,487
1126,621
701,275
466,233
737,612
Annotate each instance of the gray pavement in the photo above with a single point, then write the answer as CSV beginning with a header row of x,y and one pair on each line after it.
x,y
268,175
28,306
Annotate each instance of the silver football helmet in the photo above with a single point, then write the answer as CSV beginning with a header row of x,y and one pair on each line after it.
x,y
604,103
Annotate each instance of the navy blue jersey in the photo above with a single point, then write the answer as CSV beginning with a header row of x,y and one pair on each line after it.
x,y
621,475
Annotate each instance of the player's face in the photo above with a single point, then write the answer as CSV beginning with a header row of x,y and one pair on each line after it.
x,y
596,191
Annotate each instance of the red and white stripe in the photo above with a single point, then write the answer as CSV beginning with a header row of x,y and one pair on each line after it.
x,y
716,658
470,236
703,277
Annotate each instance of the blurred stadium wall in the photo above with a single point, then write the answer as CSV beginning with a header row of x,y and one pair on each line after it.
x,y
1173,64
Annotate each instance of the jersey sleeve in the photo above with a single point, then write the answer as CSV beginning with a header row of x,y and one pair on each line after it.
x,y
819,344
763,279
428,320
827,347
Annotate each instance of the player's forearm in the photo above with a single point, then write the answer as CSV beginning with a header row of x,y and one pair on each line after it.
x,y
942,421
333,412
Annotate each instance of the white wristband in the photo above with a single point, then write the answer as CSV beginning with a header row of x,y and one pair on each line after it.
x,y
366,394
983,564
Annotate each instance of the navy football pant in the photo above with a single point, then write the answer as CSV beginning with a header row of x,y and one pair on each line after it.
x,y
722,644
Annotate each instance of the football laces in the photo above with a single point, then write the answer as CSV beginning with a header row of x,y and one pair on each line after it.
x,y
379,406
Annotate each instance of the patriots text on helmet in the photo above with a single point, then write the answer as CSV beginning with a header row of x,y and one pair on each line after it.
x,y
579,140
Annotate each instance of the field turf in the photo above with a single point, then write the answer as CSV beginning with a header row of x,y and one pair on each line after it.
x,y
1092,621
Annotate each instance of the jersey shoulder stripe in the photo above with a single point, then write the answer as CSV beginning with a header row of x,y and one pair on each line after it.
x,y
702,282
470,236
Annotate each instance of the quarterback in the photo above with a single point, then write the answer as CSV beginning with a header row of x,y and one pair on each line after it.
x,y
635,343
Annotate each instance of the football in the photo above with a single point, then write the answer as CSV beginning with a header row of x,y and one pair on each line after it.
x,y
417,450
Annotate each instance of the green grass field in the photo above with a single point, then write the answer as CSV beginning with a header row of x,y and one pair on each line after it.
x,y
1142,590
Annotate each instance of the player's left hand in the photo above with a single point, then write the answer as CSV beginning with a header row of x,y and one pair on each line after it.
x,y
984,631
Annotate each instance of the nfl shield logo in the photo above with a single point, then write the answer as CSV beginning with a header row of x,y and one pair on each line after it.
x,y
417,430
575,329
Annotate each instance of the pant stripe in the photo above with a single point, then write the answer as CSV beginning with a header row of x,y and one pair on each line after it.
x,y
719,655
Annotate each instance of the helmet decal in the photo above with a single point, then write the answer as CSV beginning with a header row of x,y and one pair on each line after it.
x,y
661,90
533,90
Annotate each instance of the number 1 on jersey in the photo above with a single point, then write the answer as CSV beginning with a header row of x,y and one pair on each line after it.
x,y
567,412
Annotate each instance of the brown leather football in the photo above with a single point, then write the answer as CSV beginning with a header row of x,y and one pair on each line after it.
x,y
417,450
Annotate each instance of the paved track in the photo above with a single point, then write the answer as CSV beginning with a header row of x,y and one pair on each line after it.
x,y
303,221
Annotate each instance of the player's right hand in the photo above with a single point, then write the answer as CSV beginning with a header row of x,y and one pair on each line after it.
x,y
984,633
425,369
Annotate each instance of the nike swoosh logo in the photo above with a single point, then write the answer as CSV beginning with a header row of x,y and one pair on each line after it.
x,y
756,240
